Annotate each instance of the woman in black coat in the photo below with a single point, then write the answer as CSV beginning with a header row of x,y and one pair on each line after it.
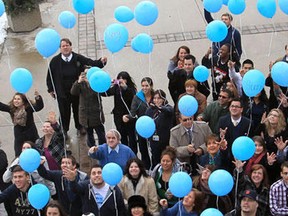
x,y
162,114
21,112
123,89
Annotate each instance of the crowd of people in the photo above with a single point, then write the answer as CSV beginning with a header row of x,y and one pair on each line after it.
x,y
197,144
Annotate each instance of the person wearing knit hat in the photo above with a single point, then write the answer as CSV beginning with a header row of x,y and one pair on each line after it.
x,y
137,206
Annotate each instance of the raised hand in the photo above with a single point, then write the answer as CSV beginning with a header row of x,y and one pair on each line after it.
x,y
280,143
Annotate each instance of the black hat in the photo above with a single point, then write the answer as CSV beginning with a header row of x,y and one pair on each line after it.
x,y
137,201
250,194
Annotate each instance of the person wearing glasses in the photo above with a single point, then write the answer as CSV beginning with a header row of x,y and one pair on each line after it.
x,y
279,194
216,109
188,138
234,125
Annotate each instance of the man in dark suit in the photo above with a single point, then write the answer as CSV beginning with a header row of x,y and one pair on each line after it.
x,y
234,125
64,70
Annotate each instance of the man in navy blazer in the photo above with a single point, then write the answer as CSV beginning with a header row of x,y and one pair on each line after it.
x,y
234,125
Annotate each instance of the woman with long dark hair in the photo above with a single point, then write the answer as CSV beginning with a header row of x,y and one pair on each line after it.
x,y
123,89
161,112
21,112
137,182
140,103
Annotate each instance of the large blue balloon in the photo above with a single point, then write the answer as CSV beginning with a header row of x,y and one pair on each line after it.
x,y
146,13
123,14
29,160
283,4
266,8
180,184
220,182
236,6
112,173
2,8
47,42
38,196
211,211
115,37
83,6
201,73
143,43
145,126
91,71
279,73
216,31
253,82
67,19
243,148
212,6
188,105
100,81
21,80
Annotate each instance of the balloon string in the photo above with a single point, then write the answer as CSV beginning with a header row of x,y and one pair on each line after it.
x,y
181,24
250,123
150,154
8,60
35,112
200,12
241,30
271,39
149,57
236,188
56,102
115,202
212,71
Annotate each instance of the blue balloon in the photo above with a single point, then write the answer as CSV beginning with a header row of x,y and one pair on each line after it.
x,y
266,8
38,196
220,182
211,211
236,6
91,71
188,105
216,31
180,184
67,19
201,73
100,81
253,82
83,6
225,2
47,42
21,80
212,6
145,126
115,37
29,160
112,173
279,73
283,4
143,43
123,14
2,8
146,13
243,148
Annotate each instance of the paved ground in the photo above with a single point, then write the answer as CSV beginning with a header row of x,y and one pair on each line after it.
x,y
179,23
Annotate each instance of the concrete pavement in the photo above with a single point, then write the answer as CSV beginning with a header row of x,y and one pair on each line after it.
x,y
179,23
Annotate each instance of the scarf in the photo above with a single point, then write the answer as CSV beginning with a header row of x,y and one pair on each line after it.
x,y
20,117
254,160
